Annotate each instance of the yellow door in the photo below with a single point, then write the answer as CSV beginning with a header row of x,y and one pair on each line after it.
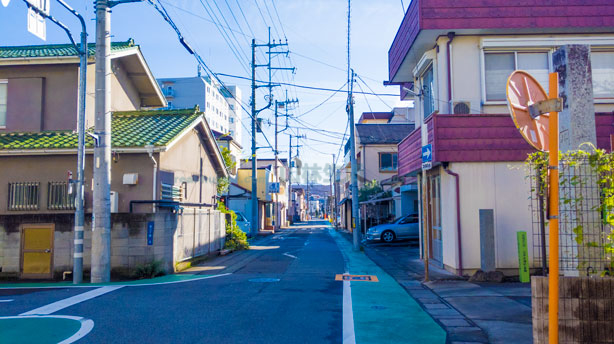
x,y
37,251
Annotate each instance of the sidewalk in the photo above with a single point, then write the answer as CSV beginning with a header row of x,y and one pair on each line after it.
x,y
469,312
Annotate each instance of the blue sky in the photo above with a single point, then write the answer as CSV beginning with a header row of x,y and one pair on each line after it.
x,y
316,31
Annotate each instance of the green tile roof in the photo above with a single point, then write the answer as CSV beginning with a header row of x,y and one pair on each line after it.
x,y
57,50
129,129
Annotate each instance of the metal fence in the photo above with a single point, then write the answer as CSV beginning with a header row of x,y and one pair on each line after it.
x,y
59,197
585,239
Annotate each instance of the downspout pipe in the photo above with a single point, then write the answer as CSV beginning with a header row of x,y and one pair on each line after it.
x,y
155,175
448,50
458,221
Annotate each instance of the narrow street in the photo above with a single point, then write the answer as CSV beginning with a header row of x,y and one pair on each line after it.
x,y
282,290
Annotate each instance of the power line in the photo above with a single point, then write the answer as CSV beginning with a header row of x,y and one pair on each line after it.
x,y
322,103
310,87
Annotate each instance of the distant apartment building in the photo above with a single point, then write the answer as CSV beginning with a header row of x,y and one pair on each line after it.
x,y
221,106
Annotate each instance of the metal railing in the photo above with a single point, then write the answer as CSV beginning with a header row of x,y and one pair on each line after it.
x,y
24,196
59,197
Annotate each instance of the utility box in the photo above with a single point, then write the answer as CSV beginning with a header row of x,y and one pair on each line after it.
x,y
131,178
114,202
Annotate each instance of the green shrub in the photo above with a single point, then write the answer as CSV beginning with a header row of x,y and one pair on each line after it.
x,y
149,270
236,239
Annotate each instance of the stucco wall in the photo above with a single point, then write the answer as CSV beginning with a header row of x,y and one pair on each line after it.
x,y
466,66
369,164
183,158
59,90
47,168
498,186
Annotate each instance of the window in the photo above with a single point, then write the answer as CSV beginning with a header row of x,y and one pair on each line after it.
x,y
170,105
428,91
387,162
231,107
23,196
59,197
603,75
208,105
3,90
498,67
208,89
231,119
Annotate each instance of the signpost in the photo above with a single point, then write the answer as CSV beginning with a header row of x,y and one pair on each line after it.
x,y
427,157
523,257
274,188
536,116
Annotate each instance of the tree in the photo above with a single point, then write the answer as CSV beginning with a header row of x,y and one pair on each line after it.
x,y
369,190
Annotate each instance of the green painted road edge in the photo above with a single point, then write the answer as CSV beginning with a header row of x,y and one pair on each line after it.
x,y
383,311
167,279
43,329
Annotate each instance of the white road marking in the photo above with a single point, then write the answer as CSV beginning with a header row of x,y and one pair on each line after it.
x,y
182,281
10,300
348,315
86,326
73,300
289,255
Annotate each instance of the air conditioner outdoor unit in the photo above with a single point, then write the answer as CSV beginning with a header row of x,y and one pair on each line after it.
x,y
462,108
114,202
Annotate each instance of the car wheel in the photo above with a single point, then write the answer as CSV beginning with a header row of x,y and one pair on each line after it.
x,y
388,236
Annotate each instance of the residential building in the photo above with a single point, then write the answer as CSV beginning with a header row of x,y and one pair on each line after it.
x,y
375,143
280,198
242,187
455,64
233,97
161,160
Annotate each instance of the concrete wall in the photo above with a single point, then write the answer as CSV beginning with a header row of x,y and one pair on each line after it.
x,y
176,237
498,186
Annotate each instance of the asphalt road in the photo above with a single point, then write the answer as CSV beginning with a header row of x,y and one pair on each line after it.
x,y
281,291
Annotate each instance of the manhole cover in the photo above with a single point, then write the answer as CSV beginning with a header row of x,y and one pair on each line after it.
x,y
264,280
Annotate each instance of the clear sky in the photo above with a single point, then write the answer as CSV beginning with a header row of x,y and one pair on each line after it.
x,y
316,31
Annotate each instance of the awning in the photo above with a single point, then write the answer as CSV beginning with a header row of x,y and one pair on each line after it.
x,y
345,199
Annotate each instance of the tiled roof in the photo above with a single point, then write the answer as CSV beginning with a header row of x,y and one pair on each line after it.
x,y
129,129
382,133
57,50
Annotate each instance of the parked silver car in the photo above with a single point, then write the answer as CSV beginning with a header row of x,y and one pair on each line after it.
x,y
242,222
405,227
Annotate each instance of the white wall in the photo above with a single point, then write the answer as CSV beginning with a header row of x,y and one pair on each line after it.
x,y
500,186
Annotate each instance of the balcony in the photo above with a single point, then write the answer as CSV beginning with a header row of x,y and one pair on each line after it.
x,y
425,20
478,138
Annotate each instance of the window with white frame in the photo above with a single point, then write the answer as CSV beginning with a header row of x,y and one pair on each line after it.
x,y
499,65
428,90
3,99
602,63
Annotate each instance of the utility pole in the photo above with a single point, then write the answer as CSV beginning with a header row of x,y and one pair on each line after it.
x,y
285,104
101,218
255,112
290,204
333,183
355,215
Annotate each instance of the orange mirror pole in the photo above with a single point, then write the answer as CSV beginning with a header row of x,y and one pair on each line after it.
x,y
553,278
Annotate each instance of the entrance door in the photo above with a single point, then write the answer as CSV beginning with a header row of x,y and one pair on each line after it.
x,y
37,251
435,204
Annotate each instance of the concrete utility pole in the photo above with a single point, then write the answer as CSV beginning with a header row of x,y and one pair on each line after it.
x,y
285,104
101,218
356,225
255,112
333,183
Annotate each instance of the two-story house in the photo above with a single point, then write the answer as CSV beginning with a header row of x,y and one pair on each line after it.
x,y
162,161
453,60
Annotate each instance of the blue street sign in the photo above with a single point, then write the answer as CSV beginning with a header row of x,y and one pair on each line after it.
x,y
427,153
150,230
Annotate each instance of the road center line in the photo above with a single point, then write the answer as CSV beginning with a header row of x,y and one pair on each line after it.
x,y
73,300
289,255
